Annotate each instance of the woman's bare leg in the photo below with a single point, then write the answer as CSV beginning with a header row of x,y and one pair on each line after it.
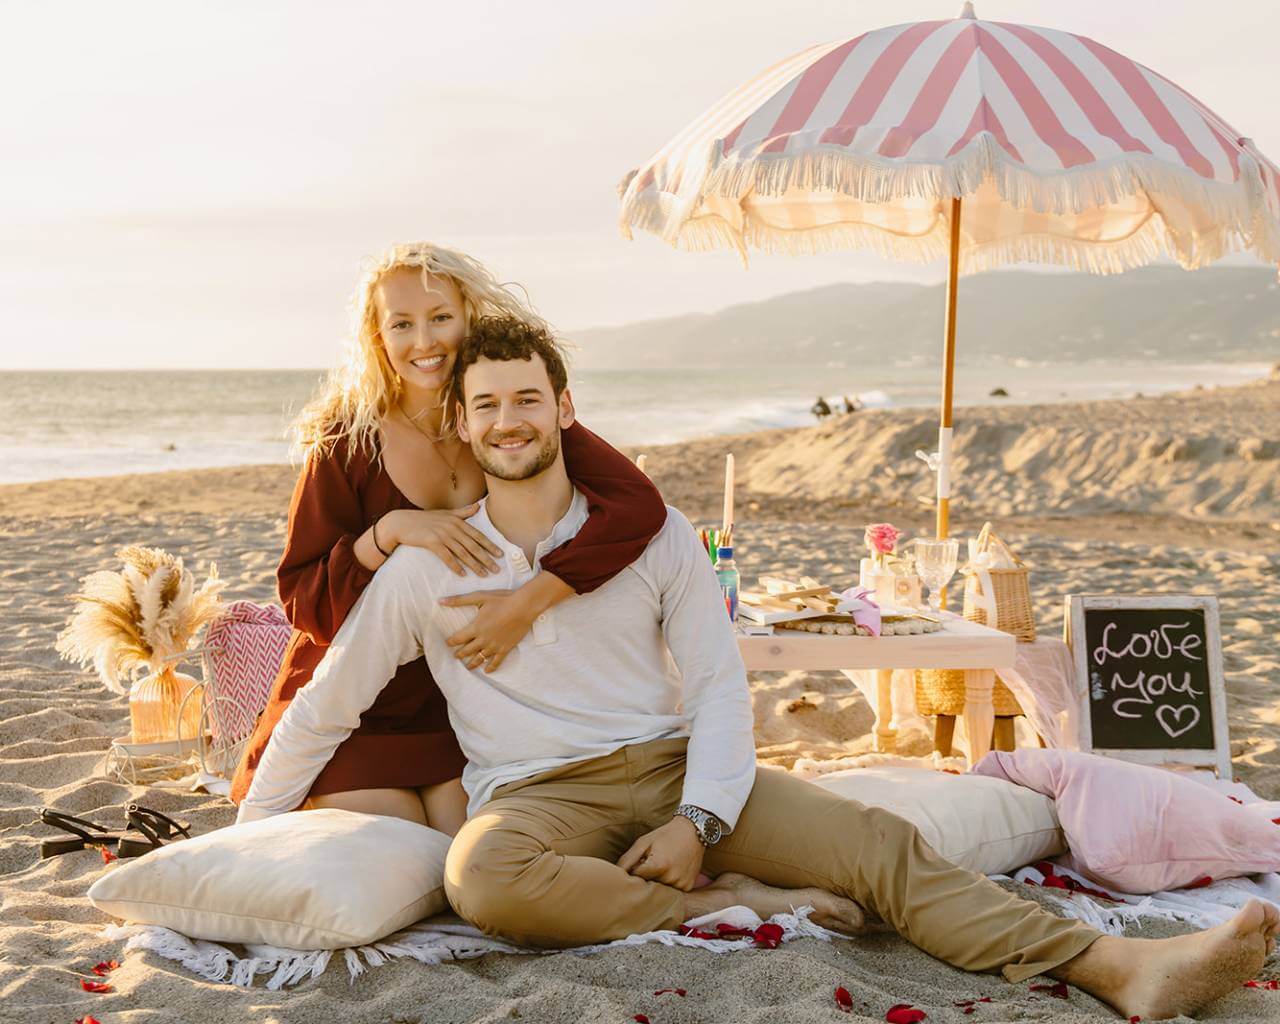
x,y
394,803
445,806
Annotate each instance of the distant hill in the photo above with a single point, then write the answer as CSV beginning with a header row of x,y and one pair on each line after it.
x,y
1227,313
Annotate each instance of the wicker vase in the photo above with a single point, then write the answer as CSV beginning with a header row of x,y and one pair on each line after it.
x,y
162,707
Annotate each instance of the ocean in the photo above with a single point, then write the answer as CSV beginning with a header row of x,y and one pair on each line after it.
x,y
56,424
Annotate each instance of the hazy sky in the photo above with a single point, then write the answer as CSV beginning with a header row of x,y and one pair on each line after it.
x,y
192,184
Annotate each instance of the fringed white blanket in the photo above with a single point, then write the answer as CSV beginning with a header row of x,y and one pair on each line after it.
x,y
429,942
1203,907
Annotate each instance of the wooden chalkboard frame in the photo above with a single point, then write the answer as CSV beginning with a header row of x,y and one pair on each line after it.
x,y
1219,758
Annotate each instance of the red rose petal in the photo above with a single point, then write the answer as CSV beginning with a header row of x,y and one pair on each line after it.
x,y
1251,984
1135,1020
698,933
1058,991
94,986
105,968
640,1018
1272,986
677,991
768,936
969,1009
904,1013
985,999
728,931
964,1002
107,855
88,1020
843,1000
1200,882
1275,821
1236,799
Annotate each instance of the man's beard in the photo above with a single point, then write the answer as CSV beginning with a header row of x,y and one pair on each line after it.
x,y
540,461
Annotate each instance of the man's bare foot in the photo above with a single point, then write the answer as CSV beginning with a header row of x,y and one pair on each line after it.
x,y
1160,978
733,890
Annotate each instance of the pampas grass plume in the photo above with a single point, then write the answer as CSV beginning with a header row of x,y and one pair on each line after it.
x,y
139,618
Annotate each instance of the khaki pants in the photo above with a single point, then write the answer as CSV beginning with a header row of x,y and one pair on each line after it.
x,y
537,864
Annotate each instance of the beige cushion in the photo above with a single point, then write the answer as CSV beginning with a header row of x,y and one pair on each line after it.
x,y
321,879
991,829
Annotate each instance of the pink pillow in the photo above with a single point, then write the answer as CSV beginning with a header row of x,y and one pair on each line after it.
x,y
1138,829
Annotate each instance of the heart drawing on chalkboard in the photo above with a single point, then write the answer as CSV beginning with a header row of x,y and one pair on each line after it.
x,y
1176,728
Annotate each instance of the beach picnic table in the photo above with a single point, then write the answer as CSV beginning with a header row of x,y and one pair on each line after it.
x,y
977,650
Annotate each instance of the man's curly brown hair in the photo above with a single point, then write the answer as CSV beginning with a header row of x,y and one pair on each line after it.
x,y
503,338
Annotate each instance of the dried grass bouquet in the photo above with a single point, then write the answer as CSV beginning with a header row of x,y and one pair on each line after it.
x,y
142,617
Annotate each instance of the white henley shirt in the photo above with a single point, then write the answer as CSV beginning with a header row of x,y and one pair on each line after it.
x,y
648,655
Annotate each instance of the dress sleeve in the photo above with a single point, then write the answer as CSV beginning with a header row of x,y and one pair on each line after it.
x,y
319,576
626,512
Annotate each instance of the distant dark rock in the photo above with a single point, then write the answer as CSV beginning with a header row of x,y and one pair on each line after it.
x,y
999,393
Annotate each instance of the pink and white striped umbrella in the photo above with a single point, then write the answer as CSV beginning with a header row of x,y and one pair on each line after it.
x,y
1058,149
1063,151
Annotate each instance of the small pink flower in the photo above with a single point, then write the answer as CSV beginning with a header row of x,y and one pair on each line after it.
x,y
882,538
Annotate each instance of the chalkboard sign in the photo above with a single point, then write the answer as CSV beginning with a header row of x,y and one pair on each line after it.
x,y
1149,672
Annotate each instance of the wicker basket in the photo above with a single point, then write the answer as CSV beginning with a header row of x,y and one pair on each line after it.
x,y
1010,590
940,691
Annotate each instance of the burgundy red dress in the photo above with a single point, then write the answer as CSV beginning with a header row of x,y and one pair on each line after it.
x,y
405,739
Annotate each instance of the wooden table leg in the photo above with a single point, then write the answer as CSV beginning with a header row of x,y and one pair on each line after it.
x,y
979,714
1004,737
944,731
886,737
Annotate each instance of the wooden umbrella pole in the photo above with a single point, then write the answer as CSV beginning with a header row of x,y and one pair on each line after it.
x,y
948,379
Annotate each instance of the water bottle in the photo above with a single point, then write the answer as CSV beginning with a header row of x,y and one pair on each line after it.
x,y
727,574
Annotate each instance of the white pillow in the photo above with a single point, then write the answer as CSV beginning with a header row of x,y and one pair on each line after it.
x,y
321,879
990,829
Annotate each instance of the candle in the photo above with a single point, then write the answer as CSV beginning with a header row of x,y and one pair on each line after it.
x,y
640,460
728,490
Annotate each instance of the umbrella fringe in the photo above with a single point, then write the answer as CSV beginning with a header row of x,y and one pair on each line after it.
x,y
1239,212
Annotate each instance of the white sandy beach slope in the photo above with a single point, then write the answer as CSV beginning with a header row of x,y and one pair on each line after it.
x,y
1176,494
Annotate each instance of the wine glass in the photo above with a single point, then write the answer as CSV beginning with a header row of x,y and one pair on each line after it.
x,y
936,564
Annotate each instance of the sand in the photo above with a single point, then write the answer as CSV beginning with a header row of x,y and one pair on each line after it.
x,y
1175,494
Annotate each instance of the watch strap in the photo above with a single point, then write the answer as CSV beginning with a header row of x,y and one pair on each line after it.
x,y
701,818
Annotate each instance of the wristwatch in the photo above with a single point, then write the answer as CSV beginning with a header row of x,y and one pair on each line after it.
x,y
708,825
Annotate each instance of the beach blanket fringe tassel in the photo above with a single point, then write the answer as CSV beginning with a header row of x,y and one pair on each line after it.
x,y
1201,907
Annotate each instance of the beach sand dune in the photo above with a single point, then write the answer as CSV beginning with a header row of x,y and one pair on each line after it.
x,y
1140,519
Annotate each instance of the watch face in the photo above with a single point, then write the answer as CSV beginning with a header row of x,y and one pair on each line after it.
x,y
712,825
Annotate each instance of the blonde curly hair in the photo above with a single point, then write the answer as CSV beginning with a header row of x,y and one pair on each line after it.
x,y
363,387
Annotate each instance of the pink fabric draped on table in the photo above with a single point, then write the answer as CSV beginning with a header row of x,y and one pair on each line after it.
x,y
1042,680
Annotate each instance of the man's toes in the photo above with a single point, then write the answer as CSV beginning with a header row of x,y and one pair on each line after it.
x,y
1252,918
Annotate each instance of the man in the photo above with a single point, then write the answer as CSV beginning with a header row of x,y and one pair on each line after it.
x,y
602,777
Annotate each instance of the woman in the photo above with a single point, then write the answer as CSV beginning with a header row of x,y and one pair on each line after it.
x,y
383,467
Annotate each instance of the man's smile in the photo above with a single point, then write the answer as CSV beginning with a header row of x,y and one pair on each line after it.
x,y
512,444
